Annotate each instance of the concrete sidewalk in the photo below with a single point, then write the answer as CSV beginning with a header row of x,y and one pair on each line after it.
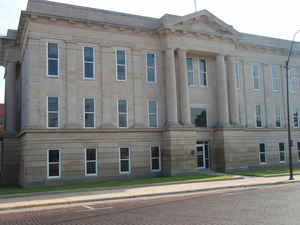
x,y
48,199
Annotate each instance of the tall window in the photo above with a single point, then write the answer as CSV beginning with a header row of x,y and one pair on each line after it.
x,y
259,116
91,162
124,160
152,113
237,75
298,150
190,70
89,62
281,152
277,116
256,76
262,154
151,68
296,118
155,158
203,72
53,164
53,112
199,117
123,113
53,60
275,79
121,64
89,112
292,80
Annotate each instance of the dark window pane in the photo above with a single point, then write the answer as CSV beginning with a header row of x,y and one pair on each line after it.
x,y
88,54
155,151
151,74
122,106
52,50
200,157
124,153
298,155
190,78
298,145
88,70
122,120
89,105
258,123
91,167
53,156
91,154
155,164
152,106
121,72
52,104
150,59
121,57
54,170
152,120
262,157
89,120
282,156
262,147
52,119
124,166
281,146
52,67
198,117
202,66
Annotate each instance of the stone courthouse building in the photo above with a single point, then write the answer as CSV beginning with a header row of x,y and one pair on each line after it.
x,y
94,95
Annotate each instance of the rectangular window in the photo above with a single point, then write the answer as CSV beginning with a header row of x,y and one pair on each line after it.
x,y
89,112
52,112
123,113
53,164
292,80
199,117
262,154
91,162
277,116
275,80
237,75
296,118
121,65
203,72
53,60
190,71
256,76
155,158
298,150
89,62
259,116
151,68
281,152
152,114
124,160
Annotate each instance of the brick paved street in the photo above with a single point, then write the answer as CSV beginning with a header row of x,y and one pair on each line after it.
x,y
277,205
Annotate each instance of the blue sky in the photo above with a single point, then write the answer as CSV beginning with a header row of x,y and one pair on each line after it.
x,y
279,19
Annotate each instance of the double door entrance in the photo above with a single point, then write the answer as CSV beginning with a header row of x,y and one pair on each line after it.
x,y
203,157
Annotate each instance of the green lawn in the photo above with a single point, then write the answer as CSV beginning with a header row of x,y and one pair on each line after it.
x,y
113,183
262,173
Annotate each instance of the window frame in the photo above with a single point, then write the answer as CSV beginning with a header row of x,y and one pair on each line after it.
x,y
192,71
118,113
58,61
129,161
206,113
296,112
261,115
277,79
149,114
84,112
159,158
86,161
237,75
93,62
265,154
276,114
116,58
155,69
206,77
281,151
258,76
58,113
59,163
292,80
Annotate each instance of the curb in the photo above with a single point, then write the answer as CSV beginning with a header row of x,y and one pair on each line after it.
x,y
117,187
147,195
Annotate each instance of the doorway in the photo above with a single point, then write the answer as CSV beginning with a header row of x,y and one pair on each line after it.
x,y
203,157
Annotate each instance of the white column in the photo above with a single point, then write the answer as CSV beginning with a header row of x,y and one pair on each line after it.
x,y
222,92
184,89
233,101
10,97
171,90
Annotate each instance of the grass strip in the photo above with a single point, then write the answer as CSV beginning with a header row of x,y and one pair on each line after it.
x,y
262,173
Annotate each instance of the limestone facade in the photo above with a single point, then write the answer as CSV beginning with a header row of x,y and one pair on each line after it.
x,y
231,75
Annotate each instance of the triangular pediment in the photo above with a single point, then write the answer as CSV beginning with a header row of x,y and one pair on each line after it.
x,y
202,21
